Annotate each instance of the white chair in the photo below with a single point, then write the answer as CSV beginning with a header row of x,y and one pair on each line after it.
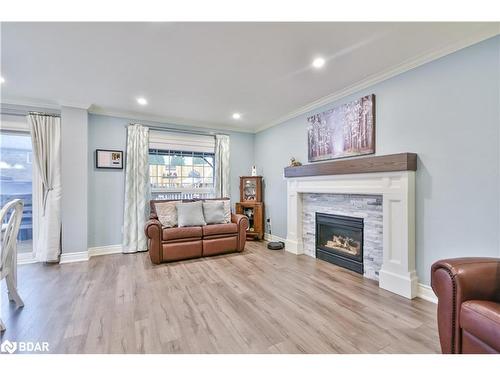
x,y
10,217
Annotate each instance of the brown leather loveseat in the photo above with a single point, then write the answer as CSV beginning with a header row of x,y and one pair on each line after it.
x,y
171,244
468,291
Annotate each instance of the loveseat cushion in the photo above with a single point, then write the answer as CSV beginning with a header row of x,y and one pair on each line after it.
x,y
218,229
182,250
182,232
482,319
214,246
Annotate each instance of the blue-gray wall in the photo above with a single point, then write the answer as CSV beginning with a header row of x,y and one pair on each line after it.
x,y
106,187
74,128
447,112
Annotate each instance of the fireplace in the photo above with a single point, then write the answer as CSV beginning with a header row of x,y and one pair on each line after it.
x,y
394,227
339,240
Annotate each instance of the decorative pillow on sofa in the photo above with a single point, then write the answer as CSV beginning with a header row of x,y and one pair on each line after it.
x,y
214,212
167,213
227,209
190,214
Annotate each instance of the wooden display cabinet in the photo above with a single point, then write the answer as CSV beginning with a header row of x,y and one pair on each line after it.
x,y
251,205
255,213
251,189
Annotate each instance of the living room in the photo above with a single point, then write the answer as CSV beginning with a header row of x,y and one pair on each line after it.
x,y
250,188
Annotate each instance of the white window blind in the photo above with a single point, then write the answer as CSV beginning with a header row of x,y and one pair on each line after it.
x,y
14,123
172,141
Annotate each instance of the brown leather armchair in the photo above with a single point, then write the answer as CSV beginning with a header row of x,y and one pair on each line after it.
x,y
468,291
171,244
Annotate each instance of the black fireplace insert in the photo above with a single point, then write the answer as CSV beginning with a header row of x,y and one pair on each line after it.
x,y
339,240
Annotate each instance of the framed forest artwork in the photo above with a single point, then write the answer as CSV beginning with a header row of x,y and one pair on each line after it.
x,y
343,131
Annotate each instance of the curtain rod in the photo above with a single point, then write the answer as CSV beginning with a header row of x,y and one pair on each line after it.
x,y
177,130
43,114
24,114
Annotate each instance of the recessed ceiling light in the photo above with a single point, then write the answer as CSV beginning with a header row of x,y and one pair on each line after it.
x,y
236,116
2,80
142,101
318,62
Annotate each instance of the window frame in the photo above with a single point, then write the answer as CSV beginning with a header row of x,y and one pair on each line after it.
x,y
181,191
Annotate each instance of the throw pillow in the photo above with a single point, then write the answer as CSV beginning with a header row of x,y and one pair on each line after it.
x,y
214,212
227,209
190,214
167,213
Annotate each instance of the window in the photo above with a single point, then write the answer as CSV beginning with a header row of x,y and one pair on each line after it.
x,y
16,180
181,174
181,165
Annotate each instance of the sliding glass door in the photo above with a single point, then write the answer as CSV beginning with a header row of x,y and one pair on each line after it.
x,y
16,176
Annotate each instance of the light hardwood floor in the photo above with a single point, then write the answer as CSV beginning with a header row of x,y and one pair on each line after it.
x,y
258,301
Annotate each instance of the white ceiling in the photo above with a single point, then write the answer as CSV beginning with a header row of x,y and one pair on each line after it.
x,y
200,73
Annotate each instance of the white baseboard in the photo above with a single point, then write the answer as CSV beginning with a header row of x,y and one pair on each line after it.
x,y
81,256
26,258
84,256
425,292
104,250
272,237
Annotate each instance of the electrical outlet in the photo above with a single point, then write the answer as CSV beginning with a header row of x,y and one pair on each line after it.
x,y
268,225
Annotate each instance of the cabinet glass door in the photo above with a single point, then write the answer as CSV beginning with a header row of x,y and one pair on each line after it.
x,y
250,190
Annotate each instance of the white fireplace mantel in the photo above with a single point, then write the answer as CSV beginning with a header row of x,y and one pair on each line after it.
x,y
398,194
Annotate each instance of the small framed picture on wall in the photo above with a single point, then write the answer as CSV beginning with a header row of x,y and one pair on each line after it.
x,y
109,159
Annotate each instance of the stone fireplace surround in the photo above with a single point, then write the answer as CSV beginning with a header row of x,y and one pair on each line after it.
x,y
367,207
397,189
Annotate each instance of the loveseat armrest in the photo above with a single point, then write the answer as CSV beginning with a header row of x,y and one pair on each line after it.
x,y
458,280
153,233
242,223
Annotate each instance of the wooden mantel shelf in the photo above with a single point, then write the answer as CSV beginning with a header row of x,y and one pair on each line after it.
x,y
371,164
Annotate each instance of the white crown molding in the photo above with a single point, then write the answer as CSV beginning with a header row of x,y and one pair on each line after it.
x,y
36,103
28,103
386,74
139,116
32,104
79,105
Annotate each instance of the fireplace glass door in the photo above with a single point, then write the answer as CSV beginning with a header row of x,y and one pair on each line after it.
x,y
339,240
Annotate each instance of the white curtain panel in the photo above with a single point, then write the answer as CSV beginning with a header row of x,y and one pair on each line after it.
x,y
137,189
222,183
46,139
